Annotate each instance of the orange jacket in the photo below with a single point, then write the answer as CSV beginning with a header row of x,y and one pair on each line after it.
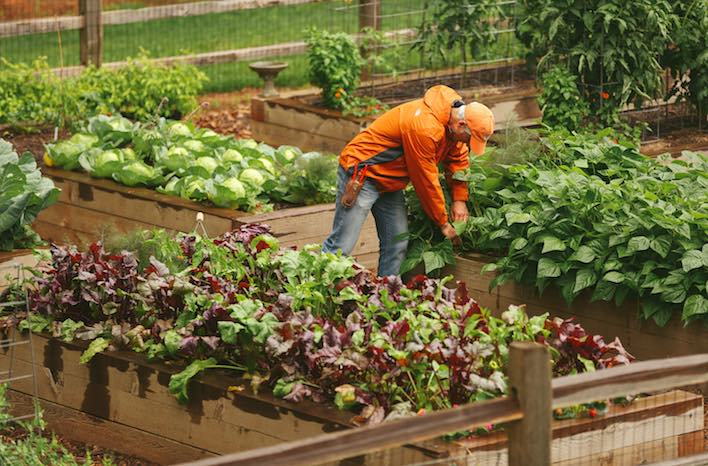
x,y
407,143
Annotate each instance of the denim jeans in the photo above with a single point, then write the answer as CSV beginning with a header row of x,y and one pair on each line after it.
x,y
391,218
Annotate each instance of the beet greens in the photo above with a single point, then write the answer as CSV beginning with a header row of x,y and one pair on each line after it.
x,y
304,324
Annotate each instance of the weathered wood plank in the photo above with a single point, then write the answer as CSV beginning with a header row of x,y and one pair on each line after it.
x,y
38,26
75,425
644,339
91,34
191,9
42,25
59,235
530,379
88,221
643,376
132,373
167,212
651,428
122,388
9,261
221,56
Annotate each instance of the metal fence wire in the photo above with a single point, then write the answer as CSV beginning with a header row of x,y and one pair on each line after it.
x,y
650,412
48,30
648,429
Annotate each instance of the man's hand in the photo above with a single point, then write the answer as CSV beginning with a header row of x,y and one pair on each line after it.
x,y
459,211
451,234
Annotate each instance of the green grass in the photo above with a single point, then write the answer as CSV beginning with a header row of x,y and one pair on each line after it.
x,y
223,31
206,33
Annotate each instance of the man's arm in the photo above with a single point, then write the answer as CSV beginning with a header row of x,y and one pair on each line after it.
x,y
457,160
420,153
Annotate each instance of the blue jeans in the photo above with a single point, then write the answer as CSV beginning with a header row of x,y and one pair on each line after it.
x,y
391,218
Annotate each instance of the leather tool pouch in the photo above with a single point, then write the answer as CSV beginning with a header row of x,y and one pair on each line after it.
x,y
351,192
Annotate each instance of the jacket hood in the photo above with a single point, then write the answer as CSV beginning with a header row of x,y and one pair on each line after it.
x,y
439,99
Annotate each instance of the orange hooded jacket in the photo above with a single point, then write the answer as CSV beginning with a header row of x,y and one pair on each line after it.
x,y
407,143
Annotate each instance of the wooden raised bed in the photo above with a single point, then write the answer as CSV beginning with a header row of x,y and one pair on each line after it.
x,y
656,428
89,208
644,339
223,416
298,118
10,260
295,118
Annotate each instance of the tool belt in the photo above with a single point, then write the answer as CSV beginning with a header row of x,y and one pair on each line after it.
x,y
353,187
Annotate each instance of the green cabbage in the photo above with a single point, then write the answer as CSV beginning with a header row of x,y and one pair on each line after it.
x,y
179,129
65,154
229,193
252,177
135,173
196,147
286,154
207,163
232,156
174,159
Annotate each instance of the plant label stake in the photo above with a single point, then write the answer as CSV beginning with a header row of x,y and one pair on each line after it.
x,y
200,225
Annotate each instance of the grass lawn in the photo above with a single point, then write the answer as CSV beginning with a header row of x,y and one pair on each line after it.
x,y
223,31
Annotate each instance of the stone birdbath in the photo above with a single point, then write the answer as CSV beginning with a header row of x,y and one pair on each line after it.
x,y
268,70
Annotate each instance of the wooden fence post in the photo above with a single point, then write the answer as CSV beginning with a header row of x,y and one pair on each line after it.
x,y
530,379
369,12
91,35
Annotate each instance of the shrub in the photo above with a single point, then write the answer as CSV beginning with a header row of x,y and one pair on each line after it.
x,y
612,46
335,65
34,94
560,99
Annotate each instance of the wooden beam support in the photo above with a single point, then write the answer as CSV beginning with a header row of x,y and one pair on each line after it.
x,y
91,35
530,380
369,14
645,376
331,447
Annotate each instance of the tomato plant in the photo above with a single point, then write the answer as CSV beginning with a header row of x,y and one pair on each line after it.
x,y
612,46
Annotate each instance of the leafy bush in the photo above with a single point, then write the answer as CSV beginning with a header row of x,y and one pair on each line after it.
x,y
560,100
612,46
687,57
335,65
592,215
29,93
23,194
453,25
33,94
137,90
305,324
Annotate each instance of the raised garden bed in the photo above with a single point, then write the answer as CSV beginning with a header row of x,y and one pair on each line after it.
x,y
656,428
644,339
88,208
297,119
10,260
222,416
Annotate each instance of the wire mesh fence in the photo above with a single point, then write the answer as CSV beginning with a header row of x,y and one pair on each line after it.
x,y
637,430
186,31
592,422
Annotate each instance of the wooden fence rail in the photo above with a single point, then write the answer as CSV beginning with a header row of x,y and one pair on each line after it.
x,y
226,56
566,391
41,25
92,20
